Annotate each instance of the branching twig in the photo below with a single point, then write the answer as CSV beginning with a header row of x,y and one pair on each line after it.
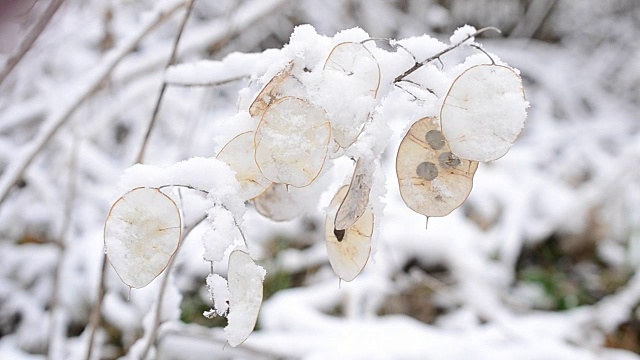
x,y
16,168
420,64
31,37
172,60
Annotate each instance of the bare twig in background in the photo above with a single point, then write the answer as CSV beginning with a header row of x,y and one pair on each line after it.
x,y
537,11
58,322
16,168
172,60
31,37
159,17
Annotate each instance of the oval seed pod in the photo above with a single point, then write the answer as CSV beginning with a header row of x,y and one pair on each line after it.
x,y
292,141
433,181
277,204
348,254
271,91
484,112
141,234
356,72
245,296
239,155
358,64
357,199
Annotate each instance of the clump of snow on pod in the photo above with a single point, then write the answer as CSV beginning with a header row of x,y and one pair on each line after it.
x,y
292,141
245,296
484,112
351,80
239,155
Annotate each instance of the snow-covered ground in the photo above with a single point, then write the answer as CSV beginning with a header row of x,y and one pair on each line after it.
x,y
539,262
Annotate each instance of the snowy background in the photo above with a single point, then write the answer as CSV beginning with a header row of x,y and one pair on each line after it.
x,y
539,263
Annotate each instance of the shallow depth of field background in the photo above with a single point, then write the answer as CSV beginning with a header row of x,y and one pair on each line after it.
x,y
540,263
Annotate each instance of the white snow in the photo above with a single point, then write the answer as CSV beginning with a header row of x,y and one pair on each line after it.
x,y
74,112
462,35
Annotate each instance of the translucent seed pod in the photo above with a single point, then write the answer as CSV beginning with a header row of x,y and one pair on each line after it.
x,y
141,234
239,155
484,112
292,141
348,250
433,181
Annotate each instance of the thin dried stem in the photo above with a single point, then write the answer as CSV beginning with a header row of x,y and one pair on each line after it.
x,y
211,84
165,280
56,312
31,38
163,287
109,64
172,60
96,316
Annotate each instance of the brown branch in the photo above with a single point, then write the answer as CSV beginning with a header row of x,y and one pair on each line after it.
x,y
31,37
418,65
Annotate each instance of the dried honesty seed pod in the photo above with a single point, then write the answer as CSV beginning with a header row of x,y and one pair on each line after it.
x,y
273,90
356,71
484,112
245,296
141,234
277,204
358,64
433,181
292,141
239,155
348,255
357,199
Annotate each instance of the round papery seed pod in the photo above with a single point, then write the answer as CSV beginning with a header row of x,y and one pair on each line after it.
x,y
351,71
239,155
433,181
348,250
484,112
141,234
292,141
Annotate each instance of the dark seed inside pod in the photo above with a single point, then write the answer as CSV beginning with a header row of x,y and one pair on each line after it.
x,y
435,139
427,171
339,234
449,160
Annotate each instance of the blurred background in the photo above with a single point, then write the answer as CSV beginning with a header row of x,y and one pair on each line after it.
x,y
539,263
